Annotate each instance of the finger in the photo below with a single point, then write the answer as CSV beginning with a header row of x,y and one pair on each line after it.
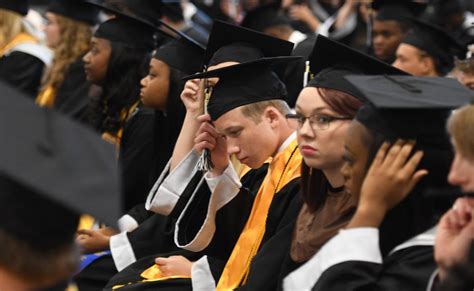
x,y
381,153
416,179
203,146
204,118
161,261
86,232
412,164
397,155
192,85
205,137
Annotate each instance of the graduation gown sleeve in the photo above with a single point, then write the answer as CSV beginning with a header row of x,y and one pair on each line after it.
x,y
352,261
23,71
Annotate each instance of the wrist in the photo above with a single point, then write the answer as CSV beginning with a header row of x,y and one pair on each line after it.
x,y
367,216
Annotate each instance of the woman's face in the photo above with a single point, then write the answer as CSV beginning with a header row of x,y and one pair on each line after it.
x,y
52,31
321,149
356,155
97,60
155,86
462,172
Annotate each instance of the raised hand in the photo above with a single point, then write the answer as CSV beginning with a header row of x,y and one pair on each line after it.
x,y
193,96
390,178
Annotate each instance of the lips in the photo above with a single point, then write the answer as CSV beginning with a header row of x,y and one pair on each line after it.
x,y
308,150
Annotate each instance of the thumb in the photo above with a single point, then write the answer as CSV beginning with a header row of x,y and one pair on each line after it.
x,y
85,232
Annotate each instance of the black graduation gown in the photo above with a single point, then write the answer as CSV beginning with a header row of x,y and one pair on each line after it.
x,y
136,156
72,97
233,215
407,269
23,71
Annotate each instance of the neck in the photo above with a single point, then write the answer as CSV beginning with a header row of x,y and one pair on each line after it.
x,y
334,177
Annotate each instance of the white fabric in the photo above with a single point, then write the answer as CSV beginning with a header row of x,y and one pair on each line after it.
x,y
296,37
201,276
122,251
432,280
426,238
168,188
127,223
356,244
226,187
41,52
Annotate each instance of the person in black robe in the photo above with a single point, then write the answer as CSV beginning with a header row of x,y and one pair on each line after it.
x,y
68,33
22,59
326,208
403,227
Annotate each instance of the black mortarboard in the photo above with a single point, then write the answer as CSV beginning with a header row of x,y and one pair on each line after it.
x,y
244,84
228,42
51,170
18,6
127,31
409,107
265,16
330,61
436,42
397,10
148,11
75,9
181,54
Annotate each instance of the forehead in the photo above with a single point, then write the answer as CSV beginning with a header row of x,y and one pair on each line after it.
x,y
387,25
407,49
309,99
358,138
232,118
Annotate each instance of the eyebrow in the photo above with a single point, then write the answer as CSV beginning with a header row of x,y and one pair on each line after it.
x,y
347,149
315,110
232,128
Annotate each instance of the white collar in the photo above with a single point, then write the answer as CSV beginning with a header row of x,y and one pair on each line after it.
x,y
287,142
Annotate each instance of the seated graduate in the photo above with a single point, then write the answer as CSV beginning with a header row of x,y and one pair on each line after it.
x,y
329,103
160,90
23,59
68,33
142,235
117,61
50,174
401,107
235,212
455,231
428,50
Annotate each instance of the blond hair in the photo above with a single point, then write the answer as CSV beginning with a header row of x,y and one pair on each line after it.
x,y
75,42
460,127
255,110
11,25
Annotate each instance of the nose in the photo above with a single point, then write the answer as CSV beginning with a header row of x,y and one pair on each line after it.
x,y
396,64
86,58
345,171
232,148
456,176
144,81
306,130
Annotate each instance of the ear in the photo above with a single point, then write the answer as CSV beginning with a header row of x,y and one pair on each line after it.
x,y
272,115
428,65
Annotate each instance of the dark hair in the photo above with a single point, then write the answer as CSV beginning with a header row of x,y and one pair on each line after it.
x,y
314,184
121,89
416,213
168,124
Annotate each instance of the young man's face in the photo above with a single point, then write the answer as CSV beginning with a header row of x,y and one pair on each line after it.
x,y
412,60
387,35
251,142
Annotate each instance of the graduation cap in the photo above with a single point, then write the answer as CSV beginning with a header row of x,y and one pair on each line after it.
x,y
397,10
76,9
51,171
148,12
244,83
410,107
127,31
436,42
330,61
20,6
265,16
228,42
181,54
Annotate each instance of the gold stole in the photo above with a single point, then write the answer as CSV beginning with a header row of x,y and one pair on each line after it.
x,y
19,39
285,167
115,138
47,97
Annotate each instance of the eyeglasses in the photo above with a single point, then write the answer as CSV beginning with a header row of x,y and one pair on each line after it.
x,y
317,122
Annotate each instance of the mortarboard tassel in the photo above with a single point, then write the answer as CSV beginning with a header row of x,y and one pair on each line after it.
x,y
306,74
204,163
